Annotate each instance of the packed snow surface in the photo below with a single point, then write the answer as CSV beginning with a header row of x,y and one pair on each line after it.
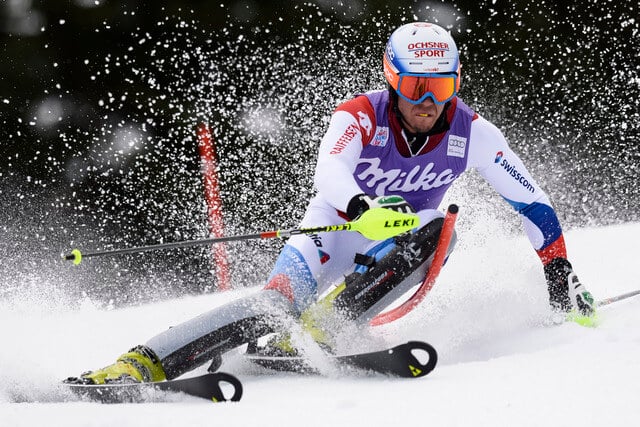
x,y
501,362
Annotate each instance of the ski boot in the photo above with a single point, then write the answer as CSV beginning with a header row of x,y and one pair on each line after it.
x,y
279,345
314,323
140,364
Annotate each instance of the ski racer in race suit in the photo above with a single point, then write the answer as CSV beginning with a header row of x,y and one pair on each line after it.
x,y
412,141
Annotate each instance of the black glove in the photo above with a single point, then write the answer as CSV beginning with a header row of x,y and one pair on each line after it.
x,y
565,290
362,202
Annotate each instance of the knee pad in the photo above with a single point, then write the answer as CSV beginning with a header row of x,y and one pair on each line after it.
x,y
388,270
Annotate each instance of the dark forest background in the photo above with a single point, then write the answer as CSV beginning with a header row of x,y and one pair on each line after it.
x,y
99,100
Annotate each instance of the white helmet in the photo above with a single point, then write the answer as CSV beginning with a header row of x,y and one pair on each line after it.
x,y
420,48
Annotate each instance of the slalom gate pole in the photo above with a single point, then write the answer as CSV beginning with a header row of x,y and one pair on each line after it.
x,y
608,301
432,274
209,166
374,224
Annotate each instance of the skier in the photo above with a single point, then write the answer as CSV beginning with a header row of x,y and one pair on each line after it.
x,y
400,149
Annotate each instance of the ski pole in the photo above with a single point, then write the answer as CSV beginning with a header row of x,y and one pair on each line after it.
x,y
374,224
617,298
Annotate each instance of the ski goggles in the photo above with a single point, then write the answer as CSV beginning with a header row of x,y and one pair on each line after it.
x,y
416,88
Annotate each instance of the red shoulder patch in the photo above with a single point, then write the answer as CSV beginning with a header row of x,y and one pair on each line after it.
x,y
361,109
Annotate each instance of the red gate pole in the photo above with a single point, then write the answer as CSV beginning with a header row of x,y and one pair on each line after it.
x,y
209,167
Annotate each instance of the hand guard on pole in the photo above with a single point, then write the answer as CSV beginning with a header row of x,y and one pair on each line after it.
x,y
566,293
363,202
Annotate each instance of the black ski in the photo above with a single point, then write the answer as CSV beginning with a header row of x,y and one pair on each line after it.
x,y
398,361
207,386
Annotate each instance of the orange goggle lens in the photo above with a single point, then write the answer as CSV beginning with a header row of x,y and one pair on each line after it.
x,y
417,89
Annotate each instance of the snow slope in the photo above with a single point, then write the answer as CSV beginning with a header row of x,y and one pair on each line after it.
x,y
500,364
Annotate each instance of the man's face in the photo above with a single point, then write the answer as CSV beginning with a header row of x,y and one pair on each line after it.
x,y
419,118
